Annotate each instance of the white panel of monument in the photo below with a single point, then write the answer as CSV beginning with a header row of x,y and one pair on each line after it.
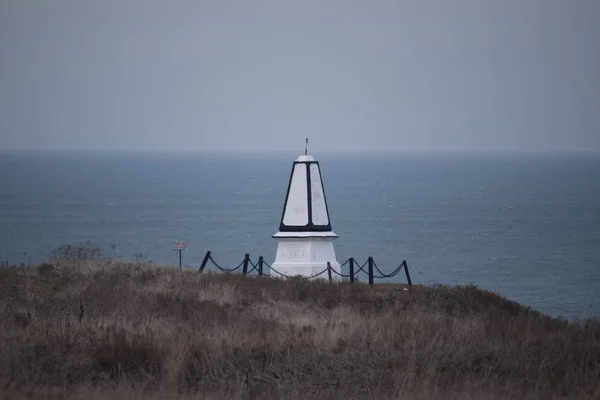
x,y
319,208
296,210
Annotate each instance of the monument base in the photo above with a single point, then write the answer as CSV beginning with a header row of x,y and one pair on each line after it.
x,y
305,256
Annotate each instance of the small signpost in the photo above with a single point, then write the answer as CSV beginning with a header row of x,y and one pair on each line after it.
x,y
180,246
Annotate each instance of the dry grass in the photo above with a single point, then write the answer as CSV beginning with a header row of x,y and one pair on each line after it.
x,y
131,331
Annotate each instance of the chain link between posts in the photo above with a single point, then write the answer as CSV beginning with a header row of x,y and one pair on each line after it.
x,y
225,269
386,275
291,276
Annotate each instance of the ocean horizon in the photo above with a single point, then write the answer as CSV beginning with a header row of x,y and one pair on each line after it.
x,y
522,224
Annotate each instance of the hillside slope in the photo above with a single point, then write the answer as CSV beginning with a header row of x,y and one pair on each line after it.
x,y
132,331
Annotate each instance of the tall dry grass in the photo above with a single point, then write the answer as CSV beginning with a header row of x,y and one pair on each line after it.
x,y
132,331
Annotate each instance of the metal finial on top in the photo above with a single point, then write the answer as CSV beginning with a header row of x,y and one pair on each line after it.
x,y
306,147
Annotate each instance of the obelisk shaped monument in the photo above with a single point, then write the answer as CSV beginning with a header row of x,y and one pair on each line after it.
x,y
305,237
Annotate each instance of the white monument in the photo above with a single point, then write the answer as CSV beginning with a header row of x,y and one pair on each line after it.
x,y
305,238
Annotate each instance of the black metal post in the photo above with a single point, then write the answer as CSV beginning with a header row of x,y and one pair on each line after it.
x,y
206,258
351,265
246,262
180,260
260,265
329,272
370,270
406,271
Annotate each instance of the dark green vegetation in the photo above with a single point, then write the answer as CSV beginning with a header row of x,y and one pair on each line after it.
x,y
94,330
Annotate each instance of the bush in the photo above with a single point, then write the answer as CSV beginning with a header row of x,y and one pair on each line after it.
x,y
86,251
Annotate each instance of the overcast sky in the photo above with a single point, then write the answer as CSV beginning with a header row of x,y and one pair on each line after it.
x,y
419,75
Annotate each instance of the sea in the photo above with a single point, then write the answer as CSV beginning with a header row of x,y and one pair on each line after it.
x,y
524,225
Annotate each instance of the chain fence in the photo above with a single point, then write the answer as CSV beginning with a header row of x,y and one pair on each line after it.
x,y
369,268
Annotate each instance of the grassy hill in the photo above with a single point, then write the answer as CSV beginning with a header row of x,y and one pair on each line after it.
x,y
99,331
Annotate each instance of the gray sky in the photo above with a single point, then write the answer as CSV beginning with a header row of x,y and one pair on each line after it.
x,y
415,75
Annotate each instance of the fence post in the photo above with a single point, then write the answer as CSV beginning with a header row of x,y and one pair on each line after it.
x,y
351,265
406,271
246,262
370,270
203,265
260,265
329,272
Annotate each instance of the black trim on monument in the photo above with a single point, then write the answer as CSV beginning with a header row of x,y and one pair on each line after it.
x,y
305,237
310,227
309,193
